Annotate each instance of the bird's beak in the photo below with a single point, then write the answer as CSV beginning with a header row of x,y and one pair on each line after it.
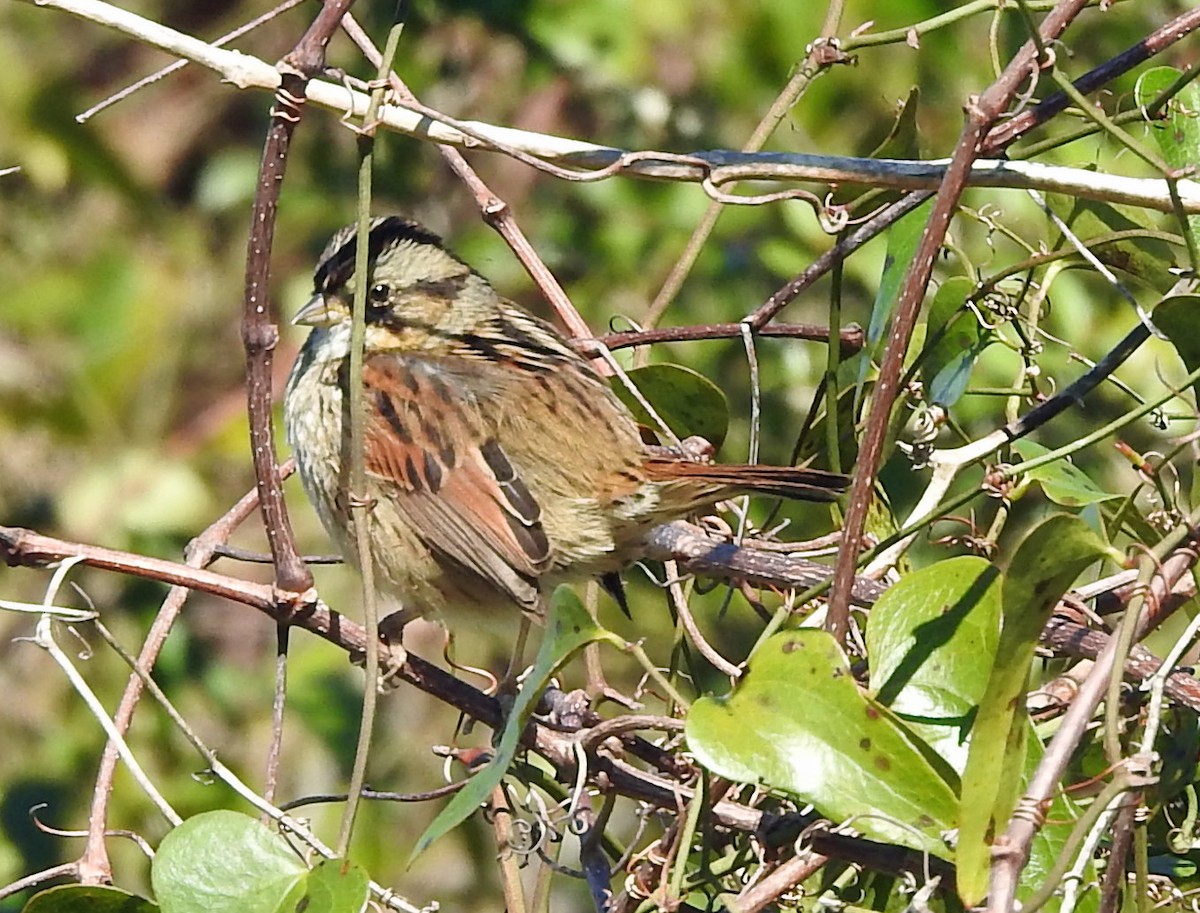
x,y
316,313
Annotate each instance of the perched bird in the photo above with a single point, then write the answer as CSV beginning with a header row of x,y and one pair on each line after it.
x,y
499,463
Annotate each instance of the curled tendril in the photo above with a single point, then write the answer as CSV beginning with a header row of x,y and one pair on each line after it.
x,y
998,481
832,217
926,422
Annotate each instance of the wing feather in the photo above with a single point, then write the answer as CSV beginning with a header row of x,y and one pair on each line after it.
x,y
430,444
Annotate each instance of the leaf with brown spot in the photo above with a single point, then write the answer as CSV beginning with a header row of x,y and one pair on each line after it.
x,y
799,722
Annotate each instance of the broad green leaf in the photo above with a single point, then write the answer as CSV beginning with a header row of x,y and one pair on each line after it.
x,y
1179,138
1178,317
687,401
798,722
955,340
1045,564
931,639
1063,482
79,898
568,629
1122,238
225,862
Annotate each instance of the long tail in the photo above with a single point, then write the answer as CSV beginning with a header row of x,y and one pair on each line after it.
x,y
781,481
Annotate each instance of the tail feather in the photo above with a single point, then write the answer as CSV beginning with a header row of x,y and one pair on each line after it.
x,y
781,481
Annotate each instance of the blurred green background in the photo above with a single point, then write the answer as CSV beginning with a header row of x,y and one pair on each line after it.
x,y
121,402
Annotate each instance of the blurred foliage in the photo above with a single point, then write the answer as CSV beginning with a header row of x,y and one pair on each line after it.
x,y
121,401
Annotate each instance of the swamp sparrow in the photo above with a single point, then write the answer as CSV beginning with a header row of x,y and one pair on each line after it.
x,y
498,462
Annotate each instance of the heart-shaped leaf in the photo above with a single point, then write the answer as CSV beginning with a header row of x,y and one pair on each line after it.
x,y
932,639
225,862
798,722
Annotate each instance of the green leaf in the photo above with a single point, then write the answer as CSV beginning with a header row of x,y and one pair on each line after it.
x,y
78,898
902,141
225,862
1063,482
568,629
1148,255
932,638
955,340
336,885
1045,564
798,722
903,238
1178,317
687,401
1179,139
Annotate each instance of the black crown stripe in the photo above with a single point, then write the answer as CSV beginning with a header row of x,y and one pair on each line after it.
x,y
337,265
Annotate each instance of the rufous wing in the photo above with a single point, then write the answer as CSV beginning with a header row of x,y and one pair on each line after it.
x,y
448,477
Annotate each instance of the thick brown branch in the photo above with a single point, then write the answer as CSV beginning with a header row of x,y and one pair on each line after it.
x,y
260,336
1064,636
697,553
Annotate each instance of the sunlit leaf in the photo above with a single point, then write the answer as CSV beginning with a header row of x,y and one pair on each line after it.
x,y
932,638
336,885
225,862
798,722
1045,564
1063,482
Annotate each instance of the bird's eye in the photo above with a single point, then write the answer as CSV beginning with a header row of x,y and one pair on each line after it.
x,y
379,293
